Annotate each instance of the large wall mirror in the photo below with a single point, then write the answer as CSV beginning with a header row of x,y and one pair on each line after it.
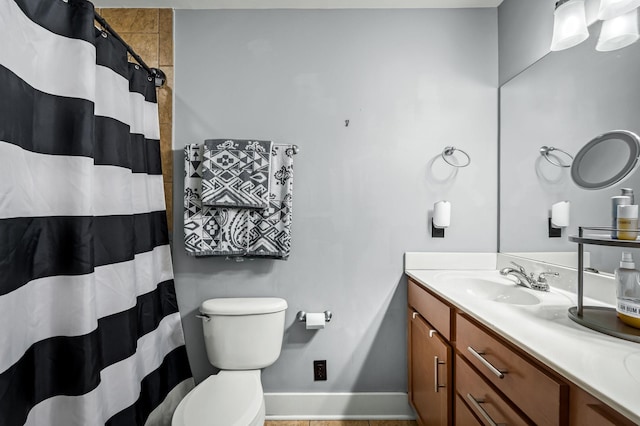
x,y
564,100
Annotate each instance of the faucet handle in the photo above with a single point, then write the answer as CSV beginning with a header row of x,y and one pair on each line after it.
x,y
541,284
520,267
542,276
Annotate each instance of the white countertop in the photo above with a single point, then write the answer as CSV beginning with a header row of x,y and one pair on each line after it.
x,y
605,366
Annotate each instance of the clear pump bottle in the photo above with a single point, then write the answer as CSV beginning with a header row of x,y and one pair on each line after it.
x,y
628,291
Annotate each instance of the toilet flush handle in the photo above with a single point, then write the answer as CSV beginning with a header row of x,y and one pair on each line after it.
x,y
204,317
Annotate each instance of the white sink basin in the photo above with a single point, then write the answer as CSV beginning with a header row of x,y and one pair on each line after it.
x,y
496,290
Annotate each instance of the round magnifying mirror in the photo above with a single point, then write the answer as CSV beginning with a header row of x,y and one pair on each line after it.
x,y
606,160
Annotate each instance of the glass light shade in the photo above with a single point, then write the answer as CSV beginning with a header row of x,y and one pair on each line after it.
x,y
569,25
618,32
612,8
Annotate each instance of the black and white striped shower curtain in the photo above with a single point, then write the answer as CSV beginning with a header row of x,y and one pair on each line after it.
x,y
90,332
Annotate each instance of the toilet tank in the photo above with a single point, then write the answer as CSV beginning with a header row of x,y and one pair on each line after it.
x,y
243,333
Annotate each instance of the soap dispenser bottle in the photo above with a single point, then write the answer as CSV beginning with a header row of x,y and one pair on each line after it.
x,y
628,291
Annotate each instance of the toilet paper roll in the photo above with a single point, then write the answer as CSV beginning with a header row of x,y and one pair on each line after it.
x,y
315,321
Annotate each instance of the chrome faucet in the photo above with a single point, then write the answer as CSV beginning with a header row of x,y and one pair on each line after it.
x,y
528,281
519,274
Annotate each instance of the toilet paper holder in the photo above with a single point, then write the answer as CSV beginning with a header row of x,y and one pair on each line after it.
x,y
302,316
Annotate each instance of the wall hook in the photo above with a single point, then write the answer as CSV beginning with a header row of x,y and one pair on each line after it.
x,y
346,123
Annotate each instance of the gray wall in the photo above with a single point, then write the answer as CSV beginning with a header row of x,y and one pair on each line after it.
x,y
410,82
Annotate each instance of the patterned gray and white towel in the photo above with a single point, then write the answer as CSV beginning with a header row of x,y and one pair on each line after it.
x,y
270,229
233,232
209,231
235,173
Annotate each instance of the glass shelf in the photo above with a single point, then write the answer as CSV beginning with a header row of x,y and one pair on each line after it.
x,y
602,319
605,320
604,240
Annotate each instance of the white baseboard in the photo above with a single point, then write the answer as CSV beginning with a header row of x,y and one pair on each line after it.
x,y
338,406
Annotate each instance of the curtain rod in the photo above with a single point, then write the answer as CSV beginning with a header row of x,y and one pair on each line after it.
x,y
156,73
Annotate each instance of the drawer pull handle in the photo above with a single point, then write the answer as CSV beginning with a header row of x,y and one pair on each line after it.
x,y
476,403
494,370
436,380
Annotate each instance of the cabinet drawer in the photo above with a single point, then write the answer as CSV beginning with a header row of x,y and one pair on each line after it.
x,y
436,312
483,401
541,397
586,410
464,416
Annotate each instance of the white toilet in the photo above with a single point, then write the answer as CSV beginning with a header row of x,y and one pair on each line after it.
x,y
241,336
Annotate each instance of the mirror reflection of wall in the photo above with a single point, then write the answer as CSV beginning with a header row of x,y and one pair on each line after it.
x,y
564,100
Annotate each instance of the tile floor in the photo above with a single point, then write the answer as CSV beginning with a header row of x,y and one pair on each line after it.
x,y
340,423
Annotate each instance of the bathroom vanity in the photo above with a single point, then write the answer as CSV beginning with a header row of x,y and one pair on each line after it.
x,y
484,351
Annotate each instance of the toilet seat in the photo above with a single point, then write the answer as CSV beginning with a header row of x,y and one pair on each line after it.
x,y
229,398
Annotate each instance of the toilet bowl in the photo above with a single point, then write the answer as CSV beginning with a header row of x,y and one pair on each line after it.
x,y
229,398
242,336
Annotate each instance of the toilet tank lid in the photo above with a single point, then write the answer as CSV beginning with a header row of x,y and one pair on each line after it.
x,y
243,306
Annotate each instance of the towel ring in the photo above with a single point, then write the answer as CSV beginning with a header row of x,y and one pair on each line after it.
x,y
545,150
449,150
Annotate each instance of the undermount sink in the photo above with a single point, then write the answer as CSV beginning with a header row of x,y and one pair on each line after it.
x,y
498,290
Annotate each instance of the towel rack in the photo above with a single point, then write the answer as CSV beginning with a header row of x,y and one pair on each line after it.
x,y
449,150
545,150
295,148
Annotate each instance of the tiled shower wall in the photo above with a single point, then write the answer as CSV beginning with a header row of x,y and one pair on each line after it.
x,y
150,33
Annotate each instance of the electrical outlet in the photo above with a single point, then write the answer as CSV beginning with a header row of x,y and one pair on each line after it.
x,y
320,370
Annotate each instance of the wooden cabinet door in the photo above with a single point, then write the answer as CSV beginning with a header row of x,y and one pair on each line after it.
x,y
586,410
431,373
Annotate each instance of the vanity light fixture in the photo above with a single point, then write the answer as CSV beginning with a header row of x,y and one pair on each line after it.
x,y
619,32
569,24
612,8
